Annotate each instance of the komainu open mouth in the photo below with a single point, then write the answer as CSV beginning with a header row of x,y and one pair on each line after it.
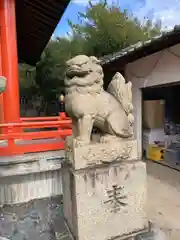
x,y
76,71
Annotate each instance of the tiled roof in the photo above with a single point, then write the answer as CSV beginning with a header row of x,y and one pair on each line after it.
x,y
148,47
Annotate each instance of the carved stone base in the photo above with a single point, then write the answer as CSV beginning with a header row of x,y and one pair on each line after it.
x,y
95,154
105,201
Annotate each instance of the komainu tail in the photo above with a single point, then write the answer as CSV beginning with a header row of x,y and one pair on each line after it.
x,y
122,91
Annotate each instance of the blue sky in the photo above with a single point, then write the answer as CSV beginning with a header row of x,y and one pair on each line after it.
x,y
166,10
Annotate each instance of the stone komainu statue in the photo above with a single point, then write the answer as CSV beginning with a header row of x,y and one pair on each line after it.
x,y
89,105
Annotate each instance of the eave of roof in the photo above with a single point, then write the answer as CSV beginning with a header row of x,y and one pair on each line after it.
x,y
36,21
142,49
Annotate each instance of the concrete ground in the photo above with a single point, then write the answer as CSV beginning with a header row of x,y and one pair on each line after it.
x,y
164,199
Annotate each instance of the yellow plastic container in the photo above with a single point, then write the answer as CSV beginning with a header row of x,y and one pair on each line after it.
x,y
155,153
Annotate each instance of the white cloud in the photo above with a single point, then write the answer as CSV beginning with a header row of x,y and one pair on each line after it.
x,y
167,11
53,36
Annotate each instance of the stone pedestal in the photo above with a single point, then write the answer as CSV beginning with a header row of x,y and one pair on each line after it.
x,y
104,191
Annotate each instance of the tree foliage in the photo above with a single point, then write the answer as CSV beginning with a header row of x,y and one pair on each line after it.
x,y
107,29
27,84
102,30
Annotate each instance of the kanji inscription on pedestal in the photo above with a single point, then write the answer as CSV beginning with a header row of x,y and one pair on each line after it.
x,y
116,198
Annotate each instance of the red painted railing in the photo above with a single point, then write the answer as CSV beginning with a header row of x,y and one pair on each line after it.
x,y
14,140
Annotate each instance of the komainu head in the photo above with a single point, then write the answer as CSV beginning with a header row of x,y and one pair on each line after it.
x,y
83,71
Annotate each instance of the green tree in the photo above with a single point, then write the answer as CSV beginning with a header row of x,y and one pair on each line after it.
x,y
27,84
102,30
50,71
107,29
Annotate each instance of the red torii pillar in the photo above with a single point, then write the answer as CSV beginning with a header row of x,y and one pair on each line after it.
x,y
1,95
9,60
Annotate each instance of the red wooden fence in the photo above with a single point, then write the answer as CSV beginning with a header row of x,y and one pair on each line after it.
x,y
15,140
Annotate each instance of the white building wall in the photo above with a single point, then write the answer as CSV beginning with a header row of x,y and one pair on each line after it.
x,y
157,69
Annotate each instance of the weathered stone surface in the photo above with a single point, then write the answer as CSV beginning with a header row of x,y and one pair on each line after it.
x,y
88,104
93,154
105,202
104,184
31,163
